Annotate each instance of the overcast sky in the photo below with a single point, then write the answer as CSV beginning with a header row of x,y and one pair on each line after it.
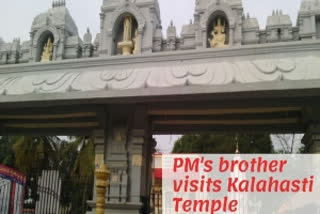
x,y
16,18
16,15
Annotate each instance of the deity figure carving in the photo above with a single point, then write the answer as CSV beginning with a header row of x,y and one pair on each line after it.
x,y
218,35
119,135
47,51
126,45
127,28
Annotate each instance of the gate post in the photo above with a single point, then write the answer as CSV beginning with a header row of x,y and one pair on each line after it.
x,y
99,137
125,146
141,146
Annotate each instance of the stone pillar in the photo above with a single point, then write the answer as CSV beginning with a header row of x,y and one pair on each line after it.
x,y
137,164
32,57
313,27
312,139
204,38
231,35
99,146
108,43
102,18
55,51
154,196
140,42
128,155
117,161
238,36
140,157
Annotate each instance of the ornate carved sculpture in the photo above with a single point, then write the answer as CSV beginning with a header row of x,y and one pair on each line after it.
x,y
218,35
119,135
102,175
126,45
47,51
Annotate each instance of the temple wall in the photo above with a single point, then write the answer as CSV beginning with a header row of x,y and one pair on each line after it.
x,y
242,30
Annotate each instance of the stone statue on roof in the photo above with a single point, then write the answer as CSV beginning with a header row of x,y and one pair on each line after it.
x,y
47,51
218,35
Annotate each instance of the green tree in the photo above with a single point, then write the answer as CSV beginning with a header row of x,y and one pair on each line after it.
x,y
223,144
77,172
6,151
83,172
34,153
74,158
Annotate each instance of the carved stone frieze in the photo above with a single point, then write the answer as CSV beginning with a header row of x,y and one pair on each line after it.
x,y
179,74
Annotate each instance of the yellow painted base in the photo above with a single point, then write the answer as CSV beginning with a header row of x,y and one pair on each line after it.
x,y
102,176
126,47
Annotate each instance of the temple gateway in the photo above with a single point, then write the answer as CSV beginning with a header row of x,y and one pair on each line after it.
x,y
222,74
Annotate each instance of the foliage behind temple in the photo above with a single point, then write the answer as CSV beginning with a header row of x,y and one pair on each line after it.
x,y
223,144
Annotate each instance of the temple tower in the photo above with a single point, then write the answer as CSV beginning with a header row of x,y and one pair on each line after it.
x,y
279,27
309,19
54,35
218,17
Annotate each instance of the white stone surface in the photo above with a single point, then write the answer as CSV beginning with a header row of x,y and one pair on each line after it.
x,y
165,75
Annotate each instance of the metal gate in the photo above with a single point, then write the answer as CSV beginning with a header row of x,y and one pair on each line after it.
x,y
12,188
49,190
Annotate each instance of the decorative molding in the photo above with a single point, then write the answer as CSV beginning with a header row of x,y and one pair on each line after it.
x,y
247,52
115,178
43,29
137,160
179,74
